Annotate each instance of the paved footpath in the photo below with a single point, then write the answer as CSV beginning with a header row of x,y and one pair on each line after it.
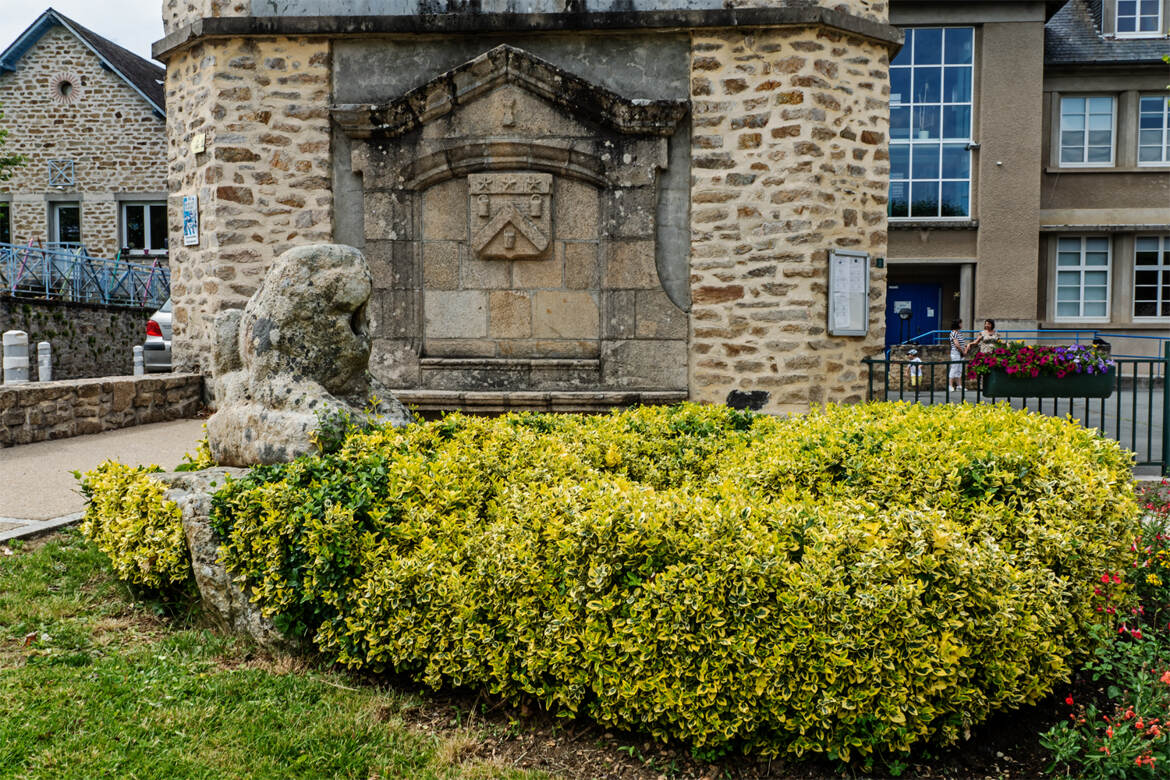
x,y
37,488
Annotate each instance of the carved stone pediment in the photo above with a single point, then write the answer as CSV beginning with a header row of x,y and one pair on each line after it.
x,y
508,65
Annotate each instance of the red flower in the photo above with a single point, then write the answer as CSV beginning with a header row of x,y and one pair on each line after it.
x,y
1068,700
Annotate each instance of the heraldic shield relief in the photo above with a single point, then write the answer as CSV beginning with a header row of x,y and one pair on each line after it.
x,y
510,215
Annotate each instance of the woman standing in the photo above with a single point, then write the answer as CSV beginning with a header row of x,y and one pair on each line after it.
x,y
987,338
958,349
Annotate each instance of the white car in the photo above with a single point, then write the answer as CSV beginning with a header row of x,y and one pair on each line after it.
x,y
156,350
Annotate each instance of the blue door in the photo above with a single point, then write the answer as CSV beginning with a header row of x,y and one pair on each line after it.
x,y
912,308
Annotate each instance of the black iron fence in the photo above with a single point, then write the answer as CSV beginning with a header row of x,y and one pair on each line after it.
x,y
1135,413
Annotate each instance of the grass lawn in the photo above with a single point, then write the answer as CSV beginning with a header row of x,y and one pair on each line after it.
x,y
94,683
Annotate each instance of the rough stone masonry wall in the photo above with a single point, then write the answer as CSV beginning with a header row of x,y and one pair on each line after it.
x,y
87,340
39,411
117,143
789,161
263,181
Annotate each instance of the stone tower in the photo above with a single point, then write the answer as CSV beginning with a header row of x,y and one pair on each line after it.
x,y
565,204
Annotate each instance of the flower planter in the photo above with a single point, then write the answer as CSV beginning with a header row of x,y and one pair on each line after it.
x,y
1000,384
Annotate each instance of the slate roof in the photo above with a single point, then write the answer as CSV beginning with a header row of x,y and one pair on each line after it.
x,y
143,76
1073,36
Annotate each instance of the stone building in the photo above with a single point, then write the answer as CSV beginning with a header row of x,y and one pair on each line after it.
x,y
569,206
89,117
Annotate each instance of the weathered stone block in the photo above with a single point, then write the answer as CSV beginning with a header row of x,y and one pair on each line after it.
x,y
485,274
650,363
509,315
388,215
568,315
575,206
658,317
534,274
620,314
630,264
392,264
456,314
460,348
630,213
582,270
444,212
541,348
440,260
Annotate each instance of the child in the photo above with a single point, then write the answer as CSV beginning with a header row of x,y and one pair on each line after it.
x,y
915,368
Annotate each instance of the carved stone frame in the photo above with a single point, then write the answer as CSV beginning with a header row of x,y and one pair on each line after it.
x,y
621,157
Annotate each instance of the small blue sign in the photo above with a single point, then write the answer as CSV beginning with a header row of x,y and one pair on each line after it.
x,y
190,220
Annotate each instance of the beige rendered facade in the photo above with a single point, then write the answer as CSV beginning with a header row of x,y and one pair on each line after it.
x,y
560,210
1052,237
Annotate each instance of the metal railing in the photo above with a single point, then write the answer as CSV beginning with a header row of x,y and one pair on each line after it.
x,y
67,272
1136,414
1123,343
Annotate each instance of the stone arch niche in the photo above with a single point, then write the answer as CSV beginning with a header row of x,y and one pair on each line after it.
x,y
510,221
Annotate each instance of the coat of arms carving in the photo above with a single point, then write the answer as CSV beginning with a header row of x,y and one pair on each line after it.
x,y
510,215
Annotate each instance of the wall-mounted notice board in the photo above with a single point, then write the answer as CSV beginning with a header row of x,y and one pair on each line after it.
x,y
848,293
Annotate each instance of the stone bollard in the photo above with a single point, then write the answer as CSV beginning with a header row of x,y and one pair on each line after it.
x,y
15,357
139,370
44,362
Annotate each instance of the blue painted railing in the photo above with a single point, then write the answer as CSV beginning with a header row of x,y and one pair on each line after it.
x,y
1123,344
67,272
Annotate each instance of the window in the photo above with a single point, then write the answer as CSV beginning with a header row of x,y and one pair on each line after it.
x,y
1086,130
1151,277
1154,130
5,223
930,124
1139,18
66,223
144,228
1082,278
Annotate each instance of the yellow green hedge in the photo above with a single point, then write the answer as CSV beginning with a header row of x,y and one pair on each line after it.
x,y
131,521
859,579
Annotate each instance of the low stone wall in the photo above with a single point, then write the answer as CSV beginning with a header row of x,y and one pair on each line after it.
x,y
39,411
87,340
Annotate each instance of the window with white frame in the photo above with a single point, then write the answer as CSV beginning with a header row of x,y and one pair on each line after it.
x,y
1086,130
1154,130
1151,276
930,124
1139,18
144,228
1082,278
65,223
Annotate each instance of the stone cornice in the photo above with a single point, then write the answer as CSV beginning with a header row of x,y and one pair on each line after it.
x,y
509,65
335,26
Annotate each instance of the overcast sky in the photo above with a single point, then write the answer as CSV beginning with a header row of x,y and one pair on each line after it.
x,y
133,24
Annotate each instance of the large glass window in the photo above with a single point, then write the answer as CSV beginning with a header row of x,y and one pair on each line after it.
x,y
1082,278
5,223
1086,130
144,228
1151,277
1154,130
66,223
930,124
1139,18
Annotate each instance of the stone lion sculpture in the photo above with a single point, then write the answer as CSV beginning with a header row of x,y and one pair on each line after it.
x,y
298,350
